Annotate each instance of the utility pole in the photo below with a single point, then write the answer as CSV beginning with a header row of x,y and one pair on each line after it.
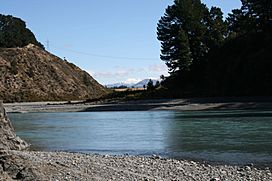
x,y
47,45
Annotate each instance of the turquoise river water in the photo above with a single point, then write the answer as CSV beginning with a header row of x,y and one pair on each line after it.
x,y
235,137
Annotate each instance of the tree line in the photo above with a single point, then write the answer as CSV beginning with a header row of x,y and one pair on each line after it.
x,y
209,55
14,33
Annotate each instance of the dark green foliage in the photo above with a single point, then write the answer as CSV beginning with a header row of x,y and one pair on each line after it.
x,y
13,33
157,85
188,31
260,10
128,94
254,16
181,31
216,28
150,85
242,67
239,24
208,55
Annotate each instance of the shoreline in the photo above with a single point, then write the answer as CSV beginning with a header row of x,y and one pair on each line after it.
x,y
61,165
201,160
194,104
39,165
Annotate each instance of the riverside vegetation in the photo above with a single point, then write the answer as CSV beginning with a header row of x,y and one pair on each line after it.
x,y
209,55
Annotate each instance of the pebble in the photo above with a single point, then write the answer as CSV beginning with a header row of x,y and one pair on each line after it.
x,y
76,166
247,168
215,179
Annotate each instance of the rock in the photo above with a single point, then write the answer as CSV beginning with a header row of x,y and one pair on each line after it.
x,y
247,168
156,157
8,138
215,179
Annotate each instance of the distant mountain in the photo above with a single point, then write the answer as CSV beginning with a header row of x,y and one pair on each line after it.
x,y
116,85
137,85
144,82
33,74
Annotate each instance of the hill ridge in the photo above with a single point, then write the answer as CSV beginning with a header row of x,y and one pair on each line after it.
x,y
33,74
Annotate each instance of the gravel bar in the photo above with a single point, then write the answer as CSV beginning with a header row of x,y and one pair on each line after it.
x,y
36,165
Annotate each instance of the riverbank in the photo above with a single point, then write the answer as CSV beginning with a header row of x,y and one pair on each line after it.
x,y
38,165
30,165
194,104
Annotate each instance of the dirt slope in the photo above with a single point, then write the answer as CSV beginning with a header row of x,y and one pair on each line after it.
x,y
33,74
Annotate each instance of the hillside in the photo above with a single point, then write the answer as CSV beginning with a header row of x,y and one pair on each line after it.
x,y
33,74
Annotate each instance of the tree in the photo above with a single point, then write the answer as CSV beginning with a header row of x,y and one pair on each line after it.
x,y
216,28
157,85
150,85
13,33
210,55
172,38
188,31
242,65
254,16
181,32
239,24
261,10
144,86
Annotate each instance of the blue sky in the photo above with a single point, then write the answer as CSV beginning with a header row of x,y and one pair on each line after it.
x,y
115,41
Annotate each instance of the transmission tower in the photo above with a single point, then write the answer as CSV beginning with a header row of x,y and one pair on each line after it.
x,y
47,45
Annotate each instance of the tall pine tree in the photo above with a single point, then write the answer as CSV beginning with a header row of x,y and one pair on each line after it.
x,y
174,41
188,31
254,16
181,32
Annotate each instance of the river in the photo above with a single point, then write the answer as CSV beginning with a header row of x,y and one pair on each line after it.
x,y
234,137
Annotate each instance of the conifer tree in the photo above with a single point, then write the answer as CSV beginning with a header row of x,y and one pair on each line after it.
x,y
261,10
254,16
188,31
181,32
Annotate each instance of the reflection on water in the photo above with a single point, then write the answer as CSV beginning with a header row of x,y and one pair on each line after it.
x,y
228,136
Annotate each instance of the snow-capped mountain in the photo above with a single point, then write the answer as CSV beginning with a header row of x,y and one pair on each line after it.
x,y
137,85
144,82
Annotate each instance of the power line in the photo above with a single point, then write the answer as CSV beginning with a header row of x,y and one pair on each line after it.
x,y
105,56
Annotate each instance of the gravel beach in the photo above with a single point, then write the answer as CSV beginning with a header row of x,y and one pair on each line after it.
x,y
195,104
28,165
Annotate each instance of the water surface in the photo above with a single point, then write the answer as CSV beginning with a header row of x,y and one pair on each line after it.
x,y
237,137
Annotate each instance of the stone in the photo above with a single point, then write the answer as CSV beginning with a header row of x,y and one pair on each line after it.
x,y
247,168
156,157
8,138
215,179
